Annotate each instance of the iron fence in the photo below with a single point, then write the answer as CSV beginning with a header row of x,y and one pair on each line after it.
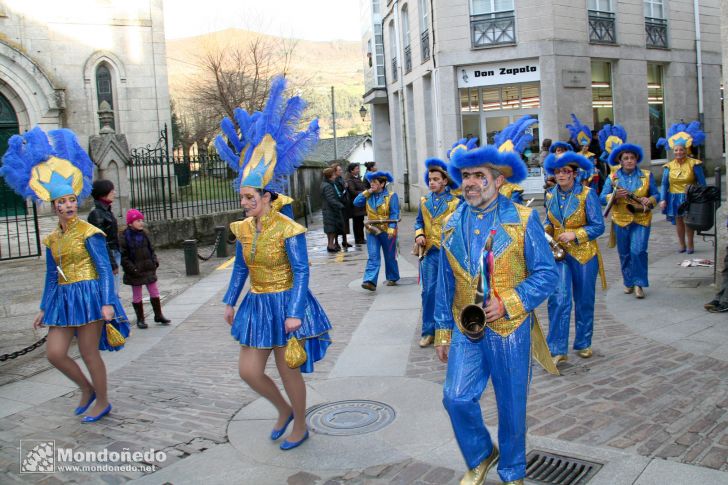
x,y
656,32
394,69
602,28
407,58
425,45
173,187
19,231
493,29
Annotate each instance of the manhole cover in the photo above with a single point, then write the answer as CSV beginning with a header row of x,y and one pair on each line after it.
x,y
348,418
555,469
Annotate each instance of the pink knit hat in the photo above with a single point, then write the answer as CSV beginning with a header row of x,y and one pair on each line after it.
x,y
133,215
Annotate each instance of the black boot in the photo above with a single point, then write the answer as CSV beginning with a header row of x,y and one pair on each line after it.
x,y
139,310
157,307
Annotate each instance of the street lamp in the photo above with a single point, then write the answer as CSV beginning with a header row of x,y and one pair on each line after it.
x,y
363,112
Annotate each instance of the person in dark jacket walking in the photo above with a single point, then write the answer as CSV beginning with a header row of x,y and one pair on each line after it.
x,y
101,216
343,192
331,209
140,265
355,186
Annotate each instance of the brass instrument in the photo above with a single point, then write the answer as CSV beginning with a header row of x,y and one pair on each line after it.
x,y
633,202
556,248
472,317
371,225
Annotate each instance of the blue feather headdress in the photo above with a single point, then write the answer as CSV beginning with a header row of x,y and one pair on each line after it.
x,y
580,133
46,167
268,147
462,144
682,134
611,136
379,174
572,159
440,166
560,144
625,147
517,136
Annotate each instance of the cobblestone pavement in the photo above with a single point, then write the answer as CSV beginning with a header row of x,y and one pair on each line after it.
x,y
634,394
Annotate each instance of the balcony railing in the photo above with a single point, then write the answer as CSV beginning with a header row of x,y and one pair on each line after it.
x,y
602,28
656,30
394,69
425,45
407,58
493,29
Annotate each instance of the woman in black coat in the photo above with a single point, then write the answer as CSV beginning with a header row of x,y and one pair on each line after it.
x,y
101,216
355,186
331,208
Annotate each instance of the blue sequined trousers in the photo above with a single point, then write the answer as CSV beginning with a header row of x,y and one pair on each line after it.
x,y
428,277
388,246
632,248
507,361
576,284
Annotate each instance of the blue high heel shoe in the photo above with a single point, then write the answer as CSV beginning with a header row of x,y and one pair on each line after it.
x,y
82,409
277,433
288,445
690,251
93,419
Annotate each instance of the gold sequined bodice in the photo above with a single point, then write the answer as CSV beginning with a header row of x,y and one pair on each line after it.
x,y
682,175
509,271
433,225
381,212
70,253
581,250
621,216
265,252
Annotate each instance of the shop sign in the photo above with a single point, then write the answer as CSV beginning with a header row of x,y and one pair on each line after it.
x,y
496,73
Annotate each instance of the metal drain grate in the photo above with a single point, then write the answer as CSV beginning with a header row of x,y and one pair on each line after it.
x,y
553,469
349,418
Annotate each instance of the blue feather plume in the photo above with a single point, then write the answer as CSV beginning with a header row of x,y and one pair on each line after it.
x,y
578,127
518,133
611,130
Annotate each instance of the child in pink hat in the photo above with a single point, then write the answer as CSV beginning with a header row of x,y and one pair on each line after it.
x,y
140,264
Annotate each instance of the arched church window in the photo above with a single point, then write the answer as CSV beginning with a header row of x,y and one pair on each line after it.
x,y
104,89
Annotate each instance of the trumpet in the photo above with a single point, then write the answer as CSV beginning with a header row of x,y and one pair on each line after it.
x,y
556,248
634,205
372,225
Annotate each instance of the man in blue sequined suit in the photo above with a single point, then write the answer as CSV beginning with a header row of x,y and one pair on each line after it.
x,y
523,275
435,208
381,205
574,219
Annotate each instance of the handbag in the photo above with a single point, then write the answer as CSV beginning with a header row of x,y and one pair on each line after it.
x,y
113,336
295,354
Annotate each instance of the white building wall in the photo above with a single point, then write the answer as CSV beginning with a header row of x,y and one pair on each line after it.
x,y
67,44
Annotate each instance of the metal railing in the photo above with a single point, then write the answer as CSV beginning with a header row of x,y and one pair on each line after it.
x,y
493,29
408,58
656,30
19,232
173,187
602,28
394,69
425,45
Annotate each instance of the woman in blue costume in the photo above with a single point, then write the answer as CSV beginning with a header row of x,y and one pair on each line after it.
x,y
682,171
79,294
582,136
271,249
574,219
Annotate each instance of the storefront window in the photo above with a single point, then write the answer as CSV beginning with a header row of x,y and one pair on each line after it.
x,y
656,104
602,106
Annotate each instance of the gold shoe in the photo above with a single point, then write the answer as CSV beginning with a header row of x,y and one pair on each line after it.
x,y
476,476
514,482
560,358
639,292
585,353
427,340
628,290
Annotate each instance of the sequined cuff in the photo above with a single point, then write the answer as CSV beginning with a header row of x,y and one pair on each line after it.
x,y
581,235
419,232
442,337
512,303
391,231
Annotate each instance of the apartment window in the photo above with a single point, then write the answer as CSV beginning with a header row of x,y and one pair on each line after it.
x,y
393,50
602,103
424,30
655,24
379,53
406,39
656,105
104,90
492,22
602,28
375,6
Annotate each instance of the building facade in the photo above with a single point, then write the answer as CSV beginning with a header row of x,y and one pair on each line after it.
x,y
457,68
60,60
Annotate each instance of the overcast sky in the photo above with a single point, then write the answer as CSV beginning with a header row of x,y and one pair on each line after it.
x,y
305,19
